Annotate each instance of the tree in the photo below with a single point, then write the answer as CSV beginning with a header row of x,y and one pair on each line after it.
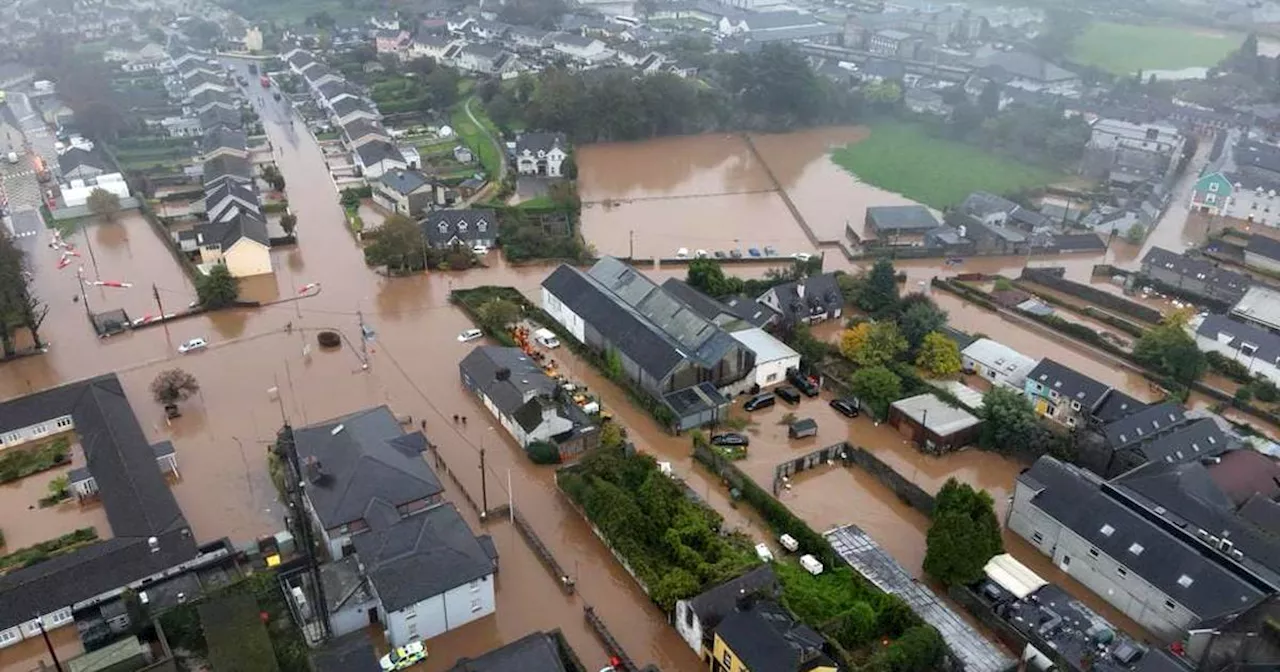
x,y
919,316
963,536
873,343
877,387
272,175
103,203
880,291
19,306
611,435
498,314
399,245
1169,349
921,648
543,452
173,385
1008,421
289,222
1136,233
706,276
217,288
59,485
939,355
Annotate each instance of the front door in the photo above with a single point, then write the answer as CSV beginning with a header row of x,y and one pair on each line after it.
x,y
373,616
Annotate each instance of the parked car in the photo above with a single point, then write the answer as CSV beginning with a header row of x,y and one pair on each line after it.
x,y
804,383
403,657
770,251
546,338
763,400
193,345
682,253
700,254
802,256
788,394
470,335
735,253
755,251
763,552
480,250
719,254
846,407
730,439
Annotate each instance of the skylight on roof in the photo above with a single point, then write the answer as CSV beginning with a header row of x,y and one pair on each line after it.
x,y
1136,548
1185,581
1107,530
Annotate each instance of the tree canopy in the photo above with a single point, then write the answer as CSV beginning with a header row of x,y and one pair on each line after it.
x,y
103,203
399,245
1169,349
873,343
217,288
963,536
173,385
19,307
918,316
1008,421
939,355
879,291
877,387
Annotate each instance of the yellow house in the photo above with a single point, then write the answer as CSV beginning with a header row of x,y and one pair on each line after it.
x,y
239,242
763,637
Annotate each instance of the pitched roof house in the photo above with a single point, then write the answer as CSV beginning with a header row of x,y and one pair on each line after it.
x,y
77,163
697,617
239,241
541,154
1064,394
469,228
808,301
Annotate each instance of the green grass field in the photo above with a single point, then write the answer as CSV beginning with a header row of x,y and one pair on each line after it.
x,y
1124,49
938,173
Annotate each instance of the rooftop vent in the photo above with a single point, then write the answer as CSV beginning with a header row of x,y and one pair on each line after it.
x,y
337,430
153,544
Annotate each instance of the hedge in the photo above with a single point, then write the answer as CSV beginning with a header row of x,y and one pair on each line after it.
x,y
31,555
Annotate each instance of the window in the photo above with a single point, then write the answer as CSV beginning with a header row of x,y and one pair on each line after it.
x,y
1211,199
1093,552
688,615
728,660
63,422
476,605
481,226
1137,548
1170,606
1037,537
31,628
1213,187
39,430
475,586
60,617
444,228
462,226
8,637
1122,572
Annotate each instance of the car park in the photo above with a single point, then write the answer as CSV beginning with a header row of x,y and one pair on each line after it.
x,y
730,439
846,407
803,383
193,345
788,394
763,400
470,335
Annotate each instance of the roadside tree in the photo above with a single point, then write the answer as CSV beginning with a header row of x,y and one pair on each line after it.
x,y
103,204
172,386
963,536
19,307
877,387
939,355
217,288
498,314
289,222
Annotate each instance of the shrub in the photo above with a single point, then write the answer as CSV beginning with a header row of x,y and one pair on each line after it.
x,y
543,452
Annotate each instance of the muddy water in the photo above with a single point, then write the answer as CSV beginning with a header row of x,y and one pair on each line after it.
x,y
27,523
668,168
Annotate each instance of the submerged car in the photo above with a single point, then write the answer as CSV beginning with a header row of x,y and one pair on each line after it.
x,y
803,383
403,657
788,394
730,439
470,335
193,345
846,407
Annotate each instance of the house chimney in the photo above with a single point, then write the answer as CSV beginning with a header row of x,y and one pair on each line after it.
x,y
153,544
800,289
314,470
502,374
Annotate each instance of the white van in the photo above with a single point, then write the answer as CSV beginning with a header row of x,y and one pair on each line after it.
x,y
546,338
763,552
811,564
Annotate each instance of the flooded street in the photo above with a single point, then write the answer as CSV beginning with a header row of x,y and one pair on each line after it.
x,y
709,192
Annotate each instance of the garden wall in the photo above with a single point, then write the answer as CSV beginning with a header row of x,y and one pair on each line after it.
x,y
1052,280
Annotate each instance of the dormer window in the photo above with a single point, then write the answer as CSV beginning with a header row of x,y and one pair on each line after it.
x,y
1213,186
481,226
462,226
444,228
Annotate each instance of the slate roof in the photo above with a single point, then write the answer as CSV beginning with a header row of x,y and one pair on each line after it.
x,y
779,20
350,653
1229,284
1117,405
1082,503
300,59
1236,335
544,142
1070,384
524,378
331,90
220,116
1144,425
227,166
212,96
901,219
220,137
442,226
1264,246
76,157
489,52
377,151
981,204
420,556
228,197
348,105
134,494
404,182
743,312
371,459
763,636
1023,65
713,604
358,128
821,292
316,72
226,232
535,651
1254,154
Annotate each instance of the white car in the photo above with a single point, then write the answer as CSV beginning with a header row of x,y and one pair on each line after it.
x,y
682,253
403,657
480,250
701,254
193,345
802,256
470,335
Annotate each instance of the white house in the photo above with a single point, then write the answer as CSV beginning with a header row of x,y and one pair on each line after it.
x,y
431,574
773,357
582,49
999,364
541,154
377,157
516,391
430,46
1252,346
486,59
76,192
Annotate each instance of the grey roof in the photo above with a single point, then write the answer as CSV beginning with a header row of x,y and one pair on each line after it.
x,y
1194,440
220,116
545,142
1070,384
1264,246
373,153
1169,560
1023,65
331,90
1236,335
536,651
529,33
238,197
1144,425
221,137
1255,154
300,59
360,127
763,636
348,105
316,71
1117,405
227,231
212,96
227,166
404,182
350,653
572,39
883,68
981,204
790,33
778,20
76,157
442,227
420,556
1227,283
742,309
821,293
133,492
714,603
370,459
936,415
695,400
522,379
901,218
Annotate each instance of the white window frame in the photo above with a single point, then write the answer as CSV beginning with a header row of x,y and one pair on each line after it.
x,y
10,636
59,618
1213,186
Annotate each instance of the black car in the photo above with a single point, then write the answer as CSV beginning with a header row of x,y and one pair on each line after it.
x,y
803,383
788,394
847,408
758,402
730,440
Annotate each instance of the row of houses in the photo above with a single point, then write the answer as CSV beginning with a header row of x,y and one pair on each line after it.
x,y
208,95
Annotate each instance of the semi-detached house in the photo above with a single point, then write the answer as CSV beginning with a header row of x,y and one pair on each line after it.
x,y
1063,394
664,347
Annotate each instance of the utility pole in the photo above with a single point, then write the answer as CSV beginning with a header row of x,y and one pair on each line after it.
x,y
155,291
484,489
90,246
48,645
287,449
364,341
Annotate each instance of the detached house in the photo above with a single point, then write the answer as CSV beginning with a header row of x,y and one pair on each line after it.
x,y
1063,394
239,241
376,157
486,59
541,154
527,402
476,227
430,46
407,192
999,364
814,299
584,50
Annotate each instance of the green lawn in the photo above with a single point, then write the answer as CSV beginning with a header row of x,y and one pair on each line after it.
x,y
938,173
472,136
1125,48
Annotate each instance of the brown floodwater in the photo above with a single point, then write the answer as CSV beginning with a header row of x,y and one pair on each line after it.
x,y
27,523
669,167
